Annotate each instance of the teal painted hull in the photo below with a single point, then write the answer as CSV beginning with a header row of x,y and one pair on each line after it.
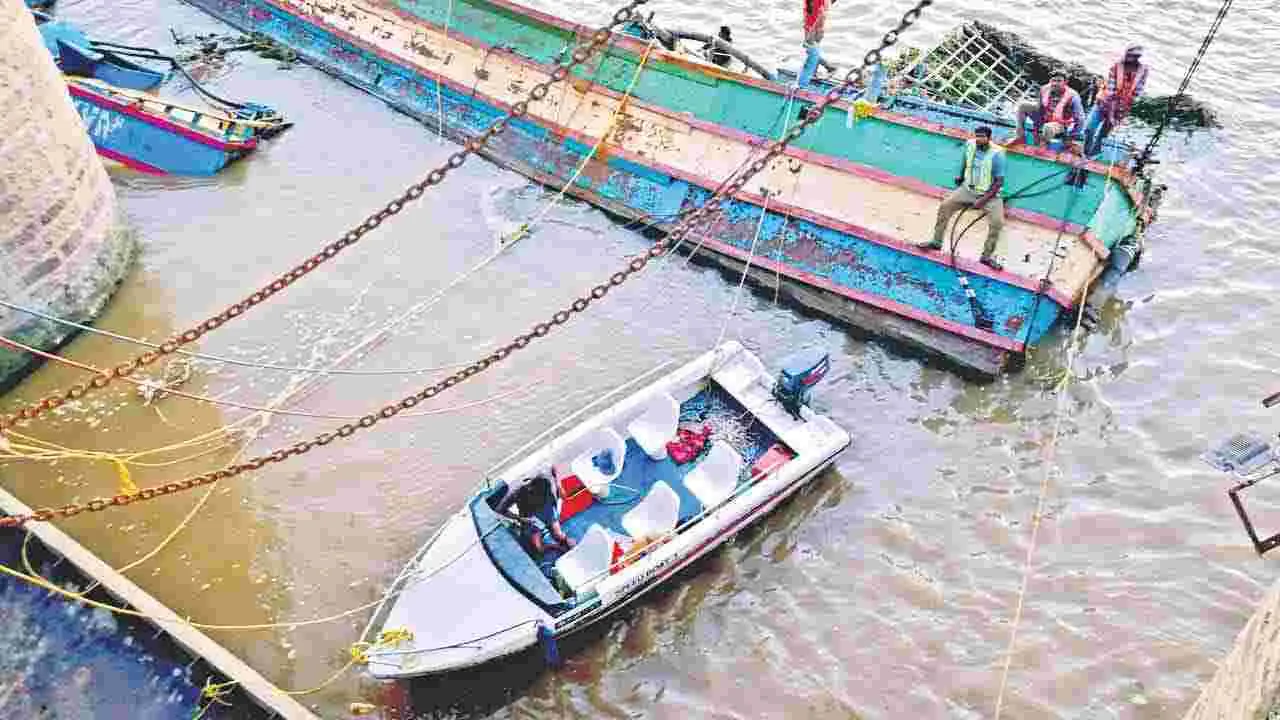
x,y
836,269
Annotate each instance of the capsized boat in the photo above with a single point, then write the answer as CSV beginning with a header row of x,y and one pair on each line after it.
x,y
688,460
142,130
158,136
837,222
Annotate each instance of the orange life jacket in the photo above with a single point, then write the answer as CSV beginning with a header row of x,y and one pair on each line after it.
x,y
1061,112
1126,83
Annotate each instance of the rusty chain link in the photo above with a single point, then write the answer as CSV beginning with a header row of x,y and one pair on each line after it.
x,y
539,330
579,55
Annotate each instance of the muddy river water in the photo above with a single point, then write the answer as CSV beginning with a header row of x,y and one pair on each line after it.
x,y
885,590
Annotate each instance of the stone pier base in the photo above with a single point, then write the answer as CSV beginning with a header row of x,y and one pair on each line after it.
x,y
1247,684
62,247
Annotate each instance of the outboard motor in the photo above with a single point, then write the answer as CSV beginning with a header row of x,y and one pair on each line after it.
x,y
798,375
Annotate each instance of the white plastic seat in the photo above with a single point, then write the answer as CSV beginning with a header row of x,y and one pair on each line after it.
x,y
588,562
656,515
714,478
656,425
582,466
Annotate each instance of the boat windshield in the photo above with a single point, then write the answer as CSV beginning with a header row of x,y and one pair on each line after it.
x,y
511,559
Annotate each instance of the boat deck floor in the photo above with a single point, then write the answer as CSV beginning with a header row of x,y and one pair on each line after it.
x,y
639,475
729,420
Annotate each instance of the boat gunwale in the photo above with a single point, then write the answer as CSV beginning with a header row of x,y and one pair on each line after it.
x,y
195,134
909,311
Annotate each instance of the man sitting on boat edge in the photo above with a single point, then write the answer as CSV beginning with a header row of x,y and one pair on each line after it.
x,y
981,177
1057,110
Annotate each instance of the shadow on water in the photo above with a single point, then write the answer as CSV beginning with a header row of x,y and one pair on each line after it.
x,y
66,660
587,654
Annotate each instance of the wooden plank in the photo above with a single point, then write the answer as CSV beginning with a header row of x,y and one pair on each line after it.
x,y
265,694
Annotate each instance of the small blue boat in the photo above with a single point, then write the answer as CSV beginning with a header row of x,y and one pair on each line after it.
x,y
75,55
106,66
39,4
159,137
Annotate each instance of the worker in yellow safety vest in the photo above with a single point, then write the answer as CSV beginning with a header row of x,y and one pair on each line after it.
x,y
980,180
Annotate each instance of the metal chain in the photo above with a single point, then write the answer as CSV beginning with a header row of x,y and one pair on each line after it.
x,y
580,55
1145,156
540,330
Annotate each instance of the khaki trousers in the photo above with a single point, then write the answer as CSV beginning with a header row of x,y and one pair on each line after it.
x,y
962,197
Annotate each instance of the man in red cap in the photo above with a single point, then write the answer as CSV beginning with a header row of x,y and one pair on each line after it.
x,y
815,25
1125,82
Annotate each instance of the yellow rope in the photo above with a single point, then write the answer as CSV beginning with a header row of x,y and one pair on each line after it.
x,y
1061,379
51,587
215,692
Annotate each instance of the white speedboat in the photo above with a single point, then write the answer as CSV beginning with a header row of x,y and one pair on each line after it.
x,y
645,487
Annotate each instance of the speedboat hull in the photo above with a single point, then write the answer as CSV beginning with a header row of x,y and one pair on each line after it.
x,y
474,593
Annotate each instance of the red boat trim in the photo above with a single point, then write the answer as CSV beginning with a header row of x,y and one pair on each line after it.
x,y
128,161
230,146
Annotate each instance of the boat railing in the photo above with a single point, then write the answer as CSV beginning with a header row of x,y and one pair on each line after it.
x,y
226,122
967,70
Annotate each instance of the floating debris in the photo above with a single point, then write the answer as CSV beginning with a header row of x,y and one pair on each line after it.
x,y
213,47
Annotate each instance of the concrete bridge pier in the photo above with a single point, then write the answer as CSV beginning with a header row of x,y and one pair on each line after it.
x,y
63,249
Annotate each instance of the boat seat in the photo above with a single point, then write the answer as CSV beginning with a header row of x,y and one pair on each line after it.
x,y
714,479
584,466
654,516
656,426
588,562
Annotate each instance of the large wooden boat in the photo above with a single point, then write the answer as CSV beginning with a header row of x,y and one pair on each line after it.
x,y
845,210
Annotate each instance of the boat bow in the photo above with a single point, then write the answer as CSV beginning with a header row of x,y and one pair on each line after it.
x,y
456,605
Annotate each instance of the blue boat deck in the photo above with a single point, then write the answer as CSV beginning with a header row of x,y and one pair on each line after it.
x,y
640,473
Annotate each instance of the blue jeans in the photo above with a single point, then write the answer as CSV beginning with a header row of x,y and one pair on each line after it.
x,y
811,58
1096,128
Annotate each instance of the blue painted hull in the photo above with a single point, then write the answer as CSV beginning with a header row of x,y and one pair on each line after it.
x,y
854,278
152,146
77,60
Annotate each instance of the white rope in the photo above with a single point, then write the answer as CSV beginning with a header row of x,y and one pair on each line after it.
x,y
733,308
223,359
